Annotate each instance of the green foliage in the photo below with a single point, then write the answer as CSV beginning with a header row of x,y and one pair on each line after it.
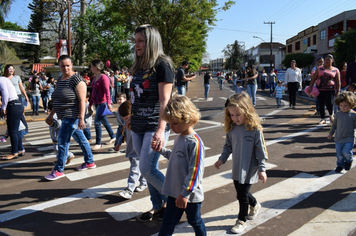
x,y
13,26
234,55
4,9
302,59
104,39
345,47
183,24
37,20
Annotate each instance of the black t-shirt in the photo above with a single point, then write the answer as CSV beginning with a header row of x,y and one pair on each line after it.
x,y
180,75
145,97
206,79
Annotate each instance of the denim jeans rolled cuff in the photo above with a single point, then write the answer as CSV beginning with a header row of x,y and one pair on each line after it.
x,y
99,119
14,111
149,166
69,128
206,90
344,153
174,214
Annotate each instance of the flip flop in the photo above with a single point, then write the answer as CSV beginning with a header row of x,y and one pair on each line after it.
x,y
5,159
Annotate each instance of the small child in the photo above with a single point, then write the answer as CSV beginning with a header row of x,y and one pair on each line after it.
x,y
120,99
54,132
88,119
221,79
136,182
278,93
244,139
183,181
344,124
239,88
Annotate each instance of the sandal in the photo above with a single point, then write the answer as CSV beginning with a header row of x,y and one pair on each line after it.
x,y
161,213
7,159
322,122
145,217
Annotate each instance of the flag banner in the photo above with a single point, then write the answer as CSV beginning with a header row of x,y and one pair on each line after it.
x,y
19,37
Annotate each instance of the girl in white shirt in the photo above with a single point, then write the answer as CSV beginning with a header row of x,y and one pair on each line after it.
x,y
293,80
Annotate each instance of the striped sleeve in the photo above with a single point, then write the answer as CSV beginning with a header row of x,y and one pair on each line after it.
x,y
196,164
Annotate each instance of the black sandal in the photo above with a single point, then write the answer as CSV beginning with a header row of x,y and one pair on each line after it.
x,y
145,217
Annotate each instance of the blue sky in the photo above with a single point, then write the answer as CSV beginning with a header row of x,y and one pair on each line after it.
x,y
246,19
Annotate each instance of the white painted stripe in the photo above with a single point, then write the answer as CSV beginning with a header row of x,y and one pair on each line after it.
x,y
39,207
274,200
260,98
339,219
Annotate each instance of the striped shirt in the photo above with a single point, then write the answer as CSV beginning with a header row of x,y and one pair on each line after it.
x,y
185,168
65,100
279,91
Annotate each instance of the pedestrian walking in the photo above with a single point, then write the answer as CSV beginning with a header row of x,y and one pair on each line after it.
x,y
183,182
344,126
293,79
245,141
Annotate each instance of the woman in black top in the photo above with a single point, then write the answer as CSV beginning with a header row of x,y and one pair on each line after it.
x,y
207,78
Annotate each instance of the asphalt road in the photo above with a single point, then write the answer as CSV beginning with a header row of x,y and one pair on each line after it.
x,y
302,196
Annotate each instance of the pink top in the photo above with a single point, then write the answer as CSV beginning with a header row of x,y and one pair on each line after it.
x,y
326,79
100,91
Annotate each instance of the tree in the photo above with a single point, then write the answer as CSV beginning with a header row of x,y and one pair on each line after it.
x,y
234,55
4,9
345,47
302,59
183,24
11,45
37,20
104,39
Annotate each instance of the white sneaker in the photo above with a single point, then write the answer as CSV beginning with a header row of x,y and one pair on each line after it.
x,y
254,211
111,141
238,227
126,194
140,188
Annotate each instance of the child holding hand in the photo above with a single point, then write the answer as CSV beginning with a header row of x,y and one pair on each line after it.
x,y
244,139
183,182
344,124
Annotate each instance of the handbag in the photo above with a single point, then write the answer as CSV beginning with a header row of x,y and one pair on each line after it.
x,y
103,110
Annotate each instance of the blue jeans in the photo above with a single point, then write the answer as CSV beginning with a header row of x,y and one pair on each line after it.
x,y
173,214
272,85
22,134
35,103
343,153
112,93
87,133
181,90
149,166
278,100
14,113
99,119
251,90
135,177
69,128
206,90
44,101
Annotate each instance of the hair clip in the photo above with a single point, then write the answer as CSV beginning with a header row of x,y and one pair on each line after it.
x,y
227,102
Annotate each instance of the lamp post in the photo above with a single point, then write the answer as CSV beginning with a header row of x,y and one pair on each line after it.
x,y
256,37
270,56
69,40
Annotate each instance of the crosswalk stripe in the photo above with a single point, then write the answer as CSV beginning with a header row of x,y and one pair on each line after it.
x,y
342,211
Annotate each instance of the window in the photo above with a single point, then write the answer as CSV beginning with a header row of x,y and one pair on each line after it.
x,y
289,48
323,34
314,39
297,46
309,42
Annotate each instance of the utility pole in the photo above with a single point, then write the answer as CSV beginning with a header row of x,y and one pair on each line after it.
x,y
270,55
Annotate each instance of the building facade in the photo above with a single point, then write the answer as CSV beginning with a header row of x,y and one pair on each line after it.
x,y
217,64
304,42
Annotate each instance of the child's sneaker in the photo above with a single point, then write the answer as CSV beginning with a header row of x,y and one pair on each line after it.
x,y
348,165
3,139
140,188
238,227
54,175
254,211
126,194
338,169
86,166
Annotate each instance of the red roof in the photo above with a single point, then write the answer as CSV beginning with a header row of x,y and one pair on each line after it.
x,y
39,67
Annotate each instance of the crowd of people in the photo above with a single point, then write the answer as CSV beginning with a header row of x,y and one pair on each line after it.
x,y
147,112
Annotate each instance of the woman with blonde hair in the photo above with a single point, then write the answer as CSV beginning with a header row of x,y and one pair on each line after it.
x,y
151,88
